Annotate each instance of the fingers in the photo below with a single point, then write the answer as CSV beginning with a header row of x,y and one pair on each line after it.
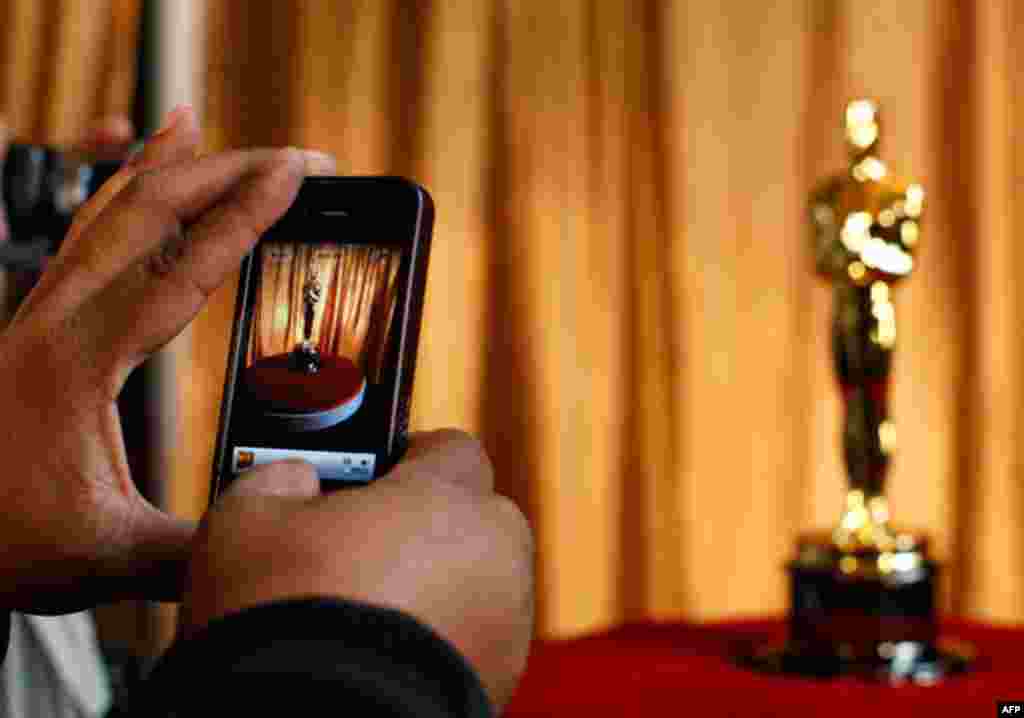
x,y
446,455
147,220
176,141
170,285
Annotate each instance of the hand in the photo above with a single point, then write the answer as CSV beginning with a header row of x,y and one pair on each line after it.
x,y
138,263
430,538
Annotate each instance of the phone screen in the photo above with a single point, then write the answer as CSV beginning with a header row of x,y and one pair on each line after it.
x,y
326,333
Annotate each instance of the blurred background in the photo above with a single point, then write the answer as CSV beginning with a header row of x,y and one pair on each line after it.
x,y
621,301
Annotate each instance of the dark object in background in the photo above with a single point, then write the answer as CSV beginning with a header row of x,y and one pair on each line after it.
x,y
42,188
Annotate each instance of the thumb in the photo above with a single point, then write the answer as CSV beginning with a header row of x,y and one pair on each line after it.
x,y
258,492
161,544
292,478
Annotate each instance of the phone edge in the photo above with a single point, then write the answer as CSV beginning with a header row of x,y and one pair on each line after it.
x,y
227,398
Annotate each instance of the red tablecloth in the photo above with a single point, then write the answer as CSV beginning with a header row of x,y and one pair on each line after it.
x,y
688,670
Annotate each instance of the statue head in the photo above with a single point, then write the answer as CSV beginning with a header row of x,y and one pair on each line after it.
x,y
866,223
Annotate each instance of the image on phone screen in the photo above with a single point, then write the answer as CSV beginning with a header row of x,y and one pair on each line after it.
x,y
322,318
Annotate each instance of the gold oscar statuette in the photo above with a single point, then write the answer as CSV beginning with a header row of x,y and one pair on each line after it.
x,y
863,594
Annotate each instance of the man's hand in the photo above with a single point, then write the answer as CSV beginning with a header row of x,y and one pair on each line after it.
x,y
139,262
431,538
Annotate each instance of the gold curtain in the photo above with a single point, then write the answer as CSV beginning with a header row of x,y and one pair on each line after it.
x,y
621,299
65,64
351,319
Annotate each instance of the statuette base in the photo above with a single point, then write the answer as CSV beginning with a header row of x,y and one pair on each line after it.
x,y
865,612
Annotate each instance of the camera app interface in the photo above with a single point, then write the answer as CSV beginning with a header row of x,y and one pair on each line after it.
x,y
314,381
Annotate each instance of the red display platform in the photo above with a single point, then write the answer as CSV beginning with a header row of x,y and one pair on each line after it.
x,y
689,670
277,387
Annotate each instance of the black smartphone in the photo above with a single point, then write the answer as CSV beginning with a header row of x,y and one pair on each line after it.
x,y
327,319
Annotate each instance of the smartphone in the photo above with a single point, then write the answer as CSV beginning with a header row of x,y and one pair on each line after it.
x,y
327,320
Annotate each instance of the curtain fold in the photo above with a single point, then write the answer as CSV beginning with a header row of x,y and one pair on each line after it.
x,y
65,65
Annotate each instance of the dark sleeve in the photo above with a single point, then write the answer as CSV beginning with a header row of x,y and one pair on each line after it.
x,y
313,657
5,634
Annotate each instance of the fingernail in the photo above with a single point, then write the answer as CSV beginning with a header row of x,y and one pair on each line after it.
x,y
318,162
172,119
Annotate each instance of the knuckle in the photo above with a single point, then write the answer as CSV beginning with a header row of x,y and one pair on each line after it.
x,y
239,223
467,447
465,460
202,276
512,518
196,286
146,193
143,202
169,254
520,547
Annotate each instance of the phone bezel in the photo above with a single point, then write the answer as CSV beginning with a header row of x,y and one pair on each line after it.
x,y
388,210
